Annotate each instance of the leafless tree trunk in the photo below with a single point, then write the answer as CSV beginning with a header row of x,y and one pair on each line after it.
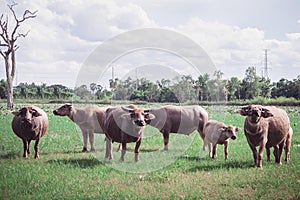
x,y
8,46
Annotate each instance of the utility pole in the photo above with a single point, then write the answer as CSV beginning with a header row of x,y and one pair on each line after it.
x,y
137,80
265,71
112,73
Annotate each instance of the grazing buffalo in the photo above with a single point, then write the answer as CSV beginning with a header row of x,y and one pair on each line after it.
x,y
125,125
30,123
178,119
218,133
266,127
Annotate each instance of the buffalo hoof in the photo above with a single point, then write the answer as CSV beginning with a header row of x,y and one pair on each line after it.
x,y
84,150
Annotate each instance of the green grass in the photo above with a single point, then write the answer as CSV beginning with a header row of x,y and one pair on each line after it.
x,y
63,172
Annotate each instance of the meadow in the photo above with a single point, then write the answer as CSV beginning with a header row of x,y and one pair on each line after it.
x,y
183,172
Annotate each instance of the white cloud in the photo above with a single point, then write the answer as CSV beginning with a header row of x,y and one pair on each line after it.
x,y
293,36
230,47
66,32
233,49
131,17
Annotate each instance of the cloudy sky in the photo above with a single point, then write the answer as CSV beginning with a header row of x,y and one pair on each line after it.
x,y
233,33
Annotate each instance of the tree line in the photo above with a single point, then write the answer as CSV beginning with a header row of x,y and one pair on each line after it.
x,y
180,89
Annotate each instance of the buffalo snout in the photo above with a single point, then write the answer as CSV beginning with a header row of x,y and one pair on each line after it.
x,y
26,120
140,122
255,112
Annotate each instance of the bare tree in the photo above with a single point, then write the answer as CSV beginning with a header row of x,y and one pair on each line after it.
x,y
8,46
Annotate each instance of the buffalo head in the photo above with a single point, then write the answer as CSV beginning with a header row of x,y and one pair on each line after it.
x,y
255,112
139,116
64,110
27,114
229,131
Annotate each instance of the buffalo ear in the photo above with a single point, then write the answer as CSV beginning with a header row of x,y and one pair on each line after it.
x,y
132,115
69,106
243,111
149,117
224,128
266,113
237,129
35,113
125,116
16,113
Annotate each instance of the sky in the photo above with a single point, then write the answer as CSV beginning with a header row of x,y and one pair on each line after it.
x,y
233,34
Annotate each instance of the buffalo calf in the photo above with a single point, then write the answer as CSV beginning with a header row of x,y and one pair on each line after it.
x,y
218,133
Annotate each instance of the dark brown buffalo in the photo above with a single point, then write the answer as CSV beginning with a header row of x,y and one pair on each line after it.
x,y
30,123
125,125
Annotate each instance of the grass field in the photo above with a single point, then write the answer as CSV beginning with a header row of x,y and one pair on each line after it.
x,y
184,172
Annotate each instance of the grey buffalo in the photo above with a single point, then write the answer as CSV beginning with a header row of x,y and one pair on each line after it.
x,y
178,119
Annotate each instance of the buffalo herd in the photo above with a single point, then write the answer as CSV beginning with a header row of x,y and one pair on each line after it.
x,y
264,127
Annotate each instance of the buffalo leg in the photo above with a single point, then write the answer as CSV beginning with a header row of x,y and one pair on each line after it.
x,y
254,152
287,146
137,150
287,152
91,138
279,154
109,149
209,149
214,151
123,151
85,138
166,140
275,152
36,149
226,143
260,155
26,147
268,153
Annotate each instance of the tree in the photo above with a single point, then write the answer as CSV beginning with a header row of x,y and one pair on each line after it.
x,y
3,86
217,87
83,92
40,91
265,85
183,88
234,89
280,88
250,86
8,46
203,90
